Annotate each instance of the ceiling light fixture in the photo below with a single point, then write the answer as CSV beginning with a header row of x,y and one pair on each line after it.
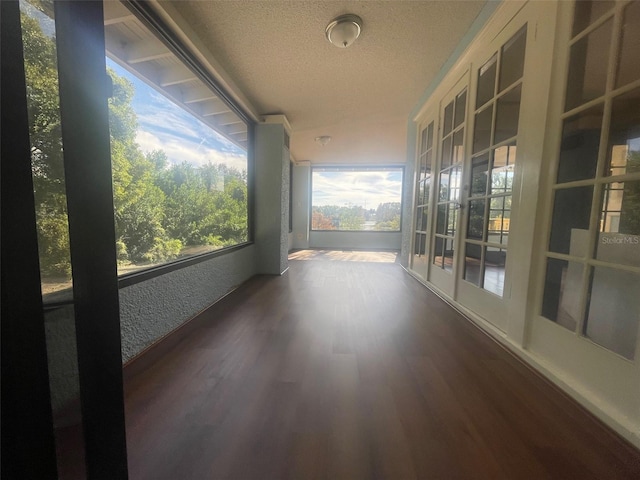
x,y
323,139
343,30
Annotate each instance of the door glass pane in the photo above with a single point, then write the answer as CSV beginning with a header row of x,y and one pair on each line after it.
x,y
479,168
461,103
441,218
628,65
448,255
570,224
475,227
562,292
472,263
427,189
503,169
430,136
452,219
619,238
587,11
494,267
423,141
486,81
499,219
419,218
455,182
444,186
624,135
614,310
438,252
458,148
507,115
448,119
482,130
588,66
427,160
41,76
446,153
580,142
512,63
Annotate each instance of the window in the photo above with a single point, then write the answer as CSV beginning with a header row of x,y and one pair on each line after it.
x,y
593,256
179,151
356,199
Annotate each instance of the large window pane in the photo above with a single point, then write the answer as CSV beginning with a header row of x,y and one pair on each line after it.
x,y
180,188
41,71
570,224
624,135
580,142
512,63
614,310
619,238
360,199
562,292
588,66
628,65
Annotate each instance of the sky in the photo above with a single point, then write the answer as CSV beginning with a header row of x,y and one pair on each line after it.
x,y
162,125
367,188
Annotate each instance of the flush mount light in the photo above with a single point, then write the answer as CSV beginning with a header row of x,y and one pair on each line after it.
x,y
343,30
323,140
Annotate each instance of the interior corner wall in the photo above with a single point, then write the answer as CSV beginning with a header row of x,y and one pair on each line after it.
x,y
271,198
301,205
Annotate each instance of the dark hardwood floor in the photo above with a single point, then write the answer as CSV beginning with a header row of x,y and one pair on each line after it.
x,y
353,370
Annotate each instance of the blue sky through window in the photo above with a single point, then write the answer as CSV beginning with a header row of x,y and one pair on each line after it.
x,y
162,125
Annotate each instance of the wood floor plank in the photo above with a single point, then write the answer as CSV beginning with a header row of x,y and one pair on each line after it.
x,y
353,370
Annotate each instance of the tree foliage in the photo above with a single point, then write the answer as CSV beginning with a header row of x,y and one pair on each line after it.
x,y
160,209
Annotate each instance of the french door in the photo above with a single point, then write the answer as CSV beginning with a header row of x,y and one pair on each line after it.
x,y
490,190
463,210
448,189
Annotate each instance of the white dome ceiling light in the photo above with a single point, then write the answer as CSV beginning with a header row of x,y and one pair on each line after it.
x,y
343,30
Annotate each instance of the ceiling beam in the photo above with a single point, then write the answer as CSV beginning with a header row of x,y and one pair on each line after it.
x,y
146,51
176,75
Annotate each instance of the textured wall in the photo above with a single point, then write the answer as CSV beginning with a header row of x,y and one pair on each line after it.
x,y
151,309
272,201
62,355
284,209
301,195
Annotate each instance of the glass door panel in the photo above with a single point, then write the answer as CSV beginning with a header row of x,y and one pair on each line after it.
x,y
449,189
419,257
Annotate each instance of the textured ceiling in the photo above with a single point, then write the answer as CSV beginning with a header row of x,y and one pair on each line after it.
x,y
277,54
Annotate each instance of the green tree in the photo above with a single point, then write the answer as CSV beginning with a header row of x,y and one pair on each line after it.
x,y
46,148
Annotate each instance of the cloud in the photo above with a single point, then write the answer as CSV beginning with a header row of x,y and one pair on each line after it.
x,y
363,188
